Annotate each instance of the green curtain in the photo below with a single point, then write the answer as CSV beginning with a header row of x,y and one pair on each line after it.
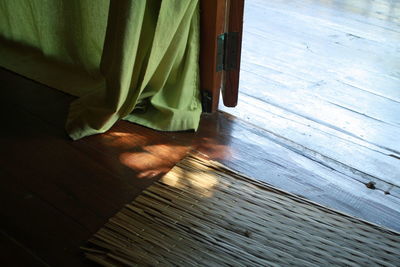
x,y
126,59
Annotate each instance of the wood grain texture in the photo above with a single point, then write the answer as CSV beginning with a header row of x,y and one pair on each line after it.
x,y
204,213
322,78
212,21
230,90
14,253
56,193
38,226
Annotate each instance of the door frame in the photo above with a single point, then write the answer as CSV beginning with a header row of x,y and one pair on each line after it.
x,y
218,20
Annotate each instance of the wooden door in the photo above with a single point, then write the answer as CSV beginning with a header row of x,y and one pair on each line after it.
x,y
221,38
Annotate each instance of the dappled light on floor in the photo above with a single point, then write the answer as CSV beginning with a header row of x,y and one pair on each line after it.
x,y
153,160
122,139
215,149
193,176
202,213
146,164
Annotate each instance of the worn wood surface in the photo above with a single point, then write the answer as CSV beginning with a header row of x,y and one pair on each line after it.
x,y
322,78
212,22
230,89
56,193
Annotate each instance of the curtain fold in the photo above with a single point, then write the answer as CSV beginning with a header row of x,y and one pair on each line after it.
x,y
125,59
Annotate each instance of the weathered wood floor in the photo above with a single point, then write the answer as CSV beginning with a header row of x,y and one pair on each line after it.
x,y
55,193
322,78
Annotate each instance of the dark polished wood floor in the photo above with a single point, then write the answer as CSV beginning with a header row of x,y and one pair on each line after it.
x,y
55,192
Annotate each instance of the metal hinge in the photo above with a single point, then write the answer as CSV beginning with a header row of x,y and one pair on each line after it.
x,y
227,51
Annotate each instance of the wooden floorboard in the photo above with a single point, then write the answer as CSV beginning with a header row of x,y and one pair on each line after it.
x,y
302,102
82,183
38,226
14,253
56,192
322,78
253,151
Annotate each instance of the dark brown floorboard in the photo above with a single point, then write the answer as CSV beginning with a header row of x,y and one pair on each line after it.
x,y
14,253
57,192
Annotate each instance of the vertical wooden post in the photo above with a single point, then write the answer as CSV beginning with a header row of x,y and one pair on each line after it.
x,y
212,22
219,17
230,88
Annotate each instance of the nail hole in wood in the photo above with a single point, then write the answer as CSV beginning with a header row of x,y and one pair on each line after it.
x,y
370,185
